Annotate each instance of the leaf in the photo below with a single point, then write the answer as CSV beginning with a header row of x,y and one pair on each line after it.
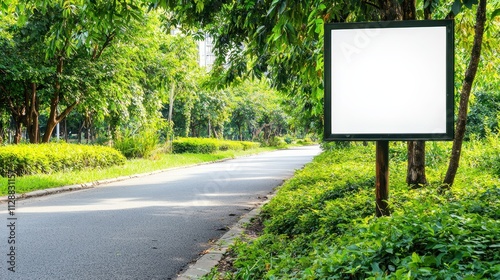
x,y
457,7
282,7
495,13
415,258
272,8
469,3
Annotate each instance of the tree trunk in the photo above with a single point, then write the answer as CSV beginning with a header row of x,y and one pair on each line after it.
x,y
18,134
415,176
54,118
390,10
209,128
80,131
171,99
470,74
65,130
408,8
31,118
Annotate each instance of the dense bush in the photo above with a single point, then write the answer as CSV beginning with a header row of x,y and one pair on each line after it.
x,y
321,224
227,145
194,145
248,145
137,145
209,145
26,159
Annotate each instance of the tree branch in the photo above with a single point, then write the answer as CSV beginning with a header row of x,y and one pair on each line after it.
x,y
107,42
66,111
371,4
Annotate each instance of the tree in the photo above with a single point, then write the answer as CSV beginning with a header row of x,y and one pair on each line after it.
x,y
23,74
211,111
71,33
180,73
465,94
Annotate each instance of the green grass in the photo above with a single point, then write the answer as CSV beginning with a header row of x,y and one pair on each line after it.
x,y
29,183
321,223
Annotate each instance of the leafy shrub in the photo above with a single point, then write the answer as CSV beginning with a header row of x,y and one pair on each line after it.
x,y
27,159
210,145
230,145
194,145
288,139
321,224
278,142
138,145
248,145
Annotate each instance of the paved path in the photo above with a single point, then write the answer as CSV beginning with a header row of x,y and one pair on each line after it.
x,y
143,228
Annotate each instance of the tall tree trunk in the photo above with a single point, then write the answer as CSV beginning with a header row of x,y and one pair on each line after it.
x,y
209,128
171,99
54,118
19,130
470,74
80,131
32,108
65,130
187,116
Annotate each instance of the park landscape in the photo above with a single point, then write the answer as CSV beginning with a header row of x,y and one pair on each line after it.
x,y
92,90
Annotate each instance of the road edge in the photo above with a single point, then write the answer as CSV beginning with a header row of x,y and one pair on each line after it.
x,y
93,184
202,266
90,185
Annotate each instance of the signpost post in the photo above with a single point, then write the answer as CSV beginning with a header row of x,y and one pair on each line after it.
x,y
389,81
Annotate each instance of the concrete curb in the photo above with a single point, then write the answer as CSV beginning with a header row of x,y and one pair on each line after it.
x,y
89,185
205,263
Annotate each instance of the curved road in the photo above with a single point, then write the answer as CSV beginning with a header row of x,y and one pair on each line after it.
x,y
143,228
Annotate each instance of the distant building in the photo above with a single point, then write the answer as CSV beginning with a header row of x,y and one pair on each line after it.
x,y
207,56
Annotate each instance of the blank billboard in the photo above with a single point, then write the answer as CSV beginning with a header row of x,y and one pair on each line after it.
x,y
389,80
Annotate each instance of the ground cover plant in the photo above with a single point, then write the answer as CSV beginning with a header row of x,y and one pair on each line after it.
x,y
321,224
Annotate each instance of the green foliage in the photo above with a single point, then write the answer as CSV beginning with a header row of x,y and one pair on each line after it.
x,y
29,159
321,224
230,145
248,145
210,145
137,145
484,115
277,142
194,145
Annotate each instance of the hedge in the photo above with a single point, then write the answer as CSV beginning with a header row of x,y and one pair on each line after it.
x,y
28,159
210,145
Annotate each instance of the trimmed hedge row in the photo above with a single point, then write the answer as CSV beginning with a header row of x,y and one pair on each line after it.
x,y
27,159
210,145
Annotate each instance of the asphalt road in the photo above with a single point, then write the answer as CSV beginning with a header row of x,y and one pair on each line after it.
x,y
144,228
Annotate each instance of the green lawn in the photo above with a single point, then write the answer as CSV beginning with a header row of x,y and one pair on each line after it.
x,y
29,183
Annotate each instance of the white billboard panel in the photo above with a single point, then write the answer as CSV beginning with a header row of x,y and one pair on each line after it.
x,y
389,81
